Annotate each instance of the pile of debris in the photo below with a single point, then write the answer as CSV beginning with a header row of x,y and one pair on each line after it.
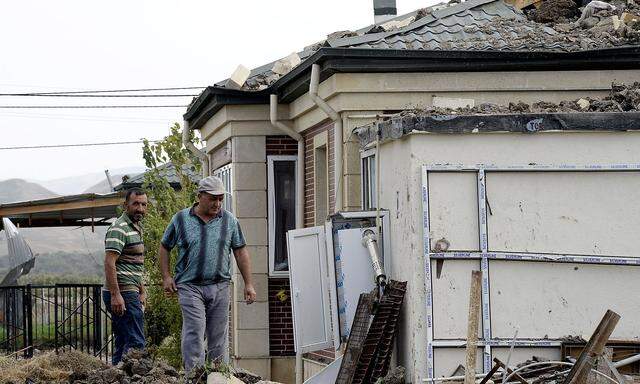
x,y
621,98
47,367
75,367
136,367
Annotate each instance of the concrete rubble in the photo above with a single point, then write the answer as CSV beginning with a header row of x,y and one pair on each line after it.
x,y
621,98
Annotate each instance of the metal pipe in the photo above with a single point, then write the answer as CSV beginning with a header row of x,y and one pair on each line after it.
x,y
369,241
273,117
186,141
337,129
626,361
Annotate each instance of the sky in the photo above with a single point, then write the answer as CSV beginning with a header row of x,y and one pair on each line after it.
x,y
50,46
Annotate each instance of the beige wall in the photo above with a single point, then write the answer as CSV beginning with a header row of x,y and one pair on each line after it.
x,y
251,322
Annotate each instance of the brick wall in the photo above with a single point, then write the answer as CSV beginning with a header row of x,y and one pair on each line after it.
x,y
280,318
281,145
309,198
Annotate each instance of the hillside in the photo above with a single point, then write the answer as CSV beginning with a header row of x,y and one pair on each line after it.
x,y
13,190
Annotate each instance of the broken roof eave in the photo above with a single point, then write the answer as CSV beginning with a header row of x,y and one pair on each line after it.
x,y
528,123
351,60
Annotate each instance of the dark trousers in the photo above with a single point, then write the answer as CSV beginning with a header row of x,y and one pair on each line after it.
x,y
128,329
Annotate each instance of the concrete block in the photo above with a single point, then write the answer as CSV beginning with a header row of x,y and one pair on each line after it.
x,y
447,102
286,64
259,259
249,149
254,230
238,77
249,176
260,283
254,316
283,369
260,367
253,343
250,204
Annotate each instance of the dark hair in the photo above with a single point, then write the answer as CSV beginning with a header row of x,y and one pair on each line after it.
x,y
134,191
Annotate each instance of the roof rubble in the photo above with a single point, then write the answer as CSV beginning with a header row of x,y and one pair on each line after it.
x,y
621,98
481,25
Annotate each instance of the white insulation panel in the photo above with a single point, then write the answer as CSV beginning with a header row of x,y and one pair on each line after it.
x,y
447,360
589,213
453,210
451,298
556,300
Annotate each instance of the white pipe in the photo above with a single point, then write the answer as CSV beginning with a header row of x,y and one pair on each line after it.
x,y
626,361
273,116
337,129
186,141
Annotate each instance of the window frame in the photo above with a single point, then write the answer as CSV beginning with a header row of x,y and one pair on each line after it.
x,y
367,158
226,174
271,159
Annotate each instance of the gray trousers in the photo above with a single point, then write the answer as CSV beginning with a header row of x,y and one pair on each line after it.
x,y
205,312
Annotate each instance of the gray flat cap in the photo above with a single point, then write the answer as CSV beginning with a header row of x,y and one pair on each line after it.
x,y
212,185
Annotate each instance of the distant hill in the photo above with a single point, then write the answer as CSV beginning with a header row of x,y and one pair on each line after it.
x,y
13,190
78,184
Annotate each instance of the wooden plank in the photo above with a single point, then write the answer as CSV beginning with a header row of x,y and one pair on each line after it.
x,y
593,349
475,297
62,206
490,374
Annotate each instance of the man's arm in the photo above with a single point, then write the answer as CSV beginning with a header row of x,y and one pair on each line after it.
x,y
168,283
117,302
244,264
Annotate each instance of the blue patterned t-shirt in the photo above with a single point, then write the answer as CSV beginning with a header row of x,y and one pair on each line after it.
x,y
204,249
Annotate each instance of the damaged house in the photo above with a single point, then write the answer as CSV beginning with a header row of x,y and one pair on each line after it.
x,y
510,193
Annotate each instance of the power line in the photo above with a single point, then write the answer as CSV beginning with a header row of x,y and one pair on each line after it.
x,y
113,91
86,95
75,145
87,106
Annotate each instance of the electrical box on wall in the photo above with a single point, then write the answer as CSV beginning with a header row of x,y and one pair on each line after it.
x,y
329,268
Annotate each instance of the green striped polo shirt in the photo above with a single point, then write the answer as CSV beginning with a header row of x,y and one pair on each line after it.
x,y
125,238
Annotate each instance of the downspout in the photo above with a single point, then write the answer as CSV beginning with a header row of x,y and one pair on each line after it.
x,y
186,130
337,139
273,115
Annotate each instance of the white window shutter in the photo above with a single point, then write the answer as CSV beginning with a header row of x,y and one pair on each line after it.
x,y
310,298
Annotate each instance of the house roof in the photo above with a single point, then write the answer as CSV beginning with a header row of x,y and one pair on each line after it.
x,y
74,210
167,171
458,32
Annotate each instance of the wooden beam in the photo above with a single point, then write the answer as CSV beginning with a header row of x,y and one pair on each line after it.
x,y
475,297
61,206
593,349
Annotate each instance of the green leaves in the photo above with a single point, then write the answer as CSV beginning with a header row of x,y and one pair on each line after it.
x,y
163,316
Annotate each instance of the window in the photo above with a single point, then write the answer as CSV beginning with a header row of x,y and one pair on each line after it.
x,y
282,210
368,181
225,174
321,185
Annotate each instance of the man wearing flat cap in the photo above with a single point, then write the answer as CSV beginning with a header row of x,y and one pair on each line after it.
x,y
205,235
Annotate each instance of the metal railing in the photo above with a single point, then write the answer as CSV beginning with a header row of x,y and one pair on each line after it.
x,y
60,317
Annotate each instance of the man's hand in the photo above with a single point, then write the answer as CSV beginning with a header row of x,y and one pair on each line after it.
x,y
117,304
169,286
249,293
143,300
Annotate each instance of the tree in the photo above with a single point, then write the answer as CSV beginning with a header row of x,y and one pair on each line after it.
x,y
163,317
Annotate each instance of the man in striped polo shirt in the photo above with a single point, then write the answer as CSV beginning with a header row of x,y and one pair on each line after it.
x,y
124,295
